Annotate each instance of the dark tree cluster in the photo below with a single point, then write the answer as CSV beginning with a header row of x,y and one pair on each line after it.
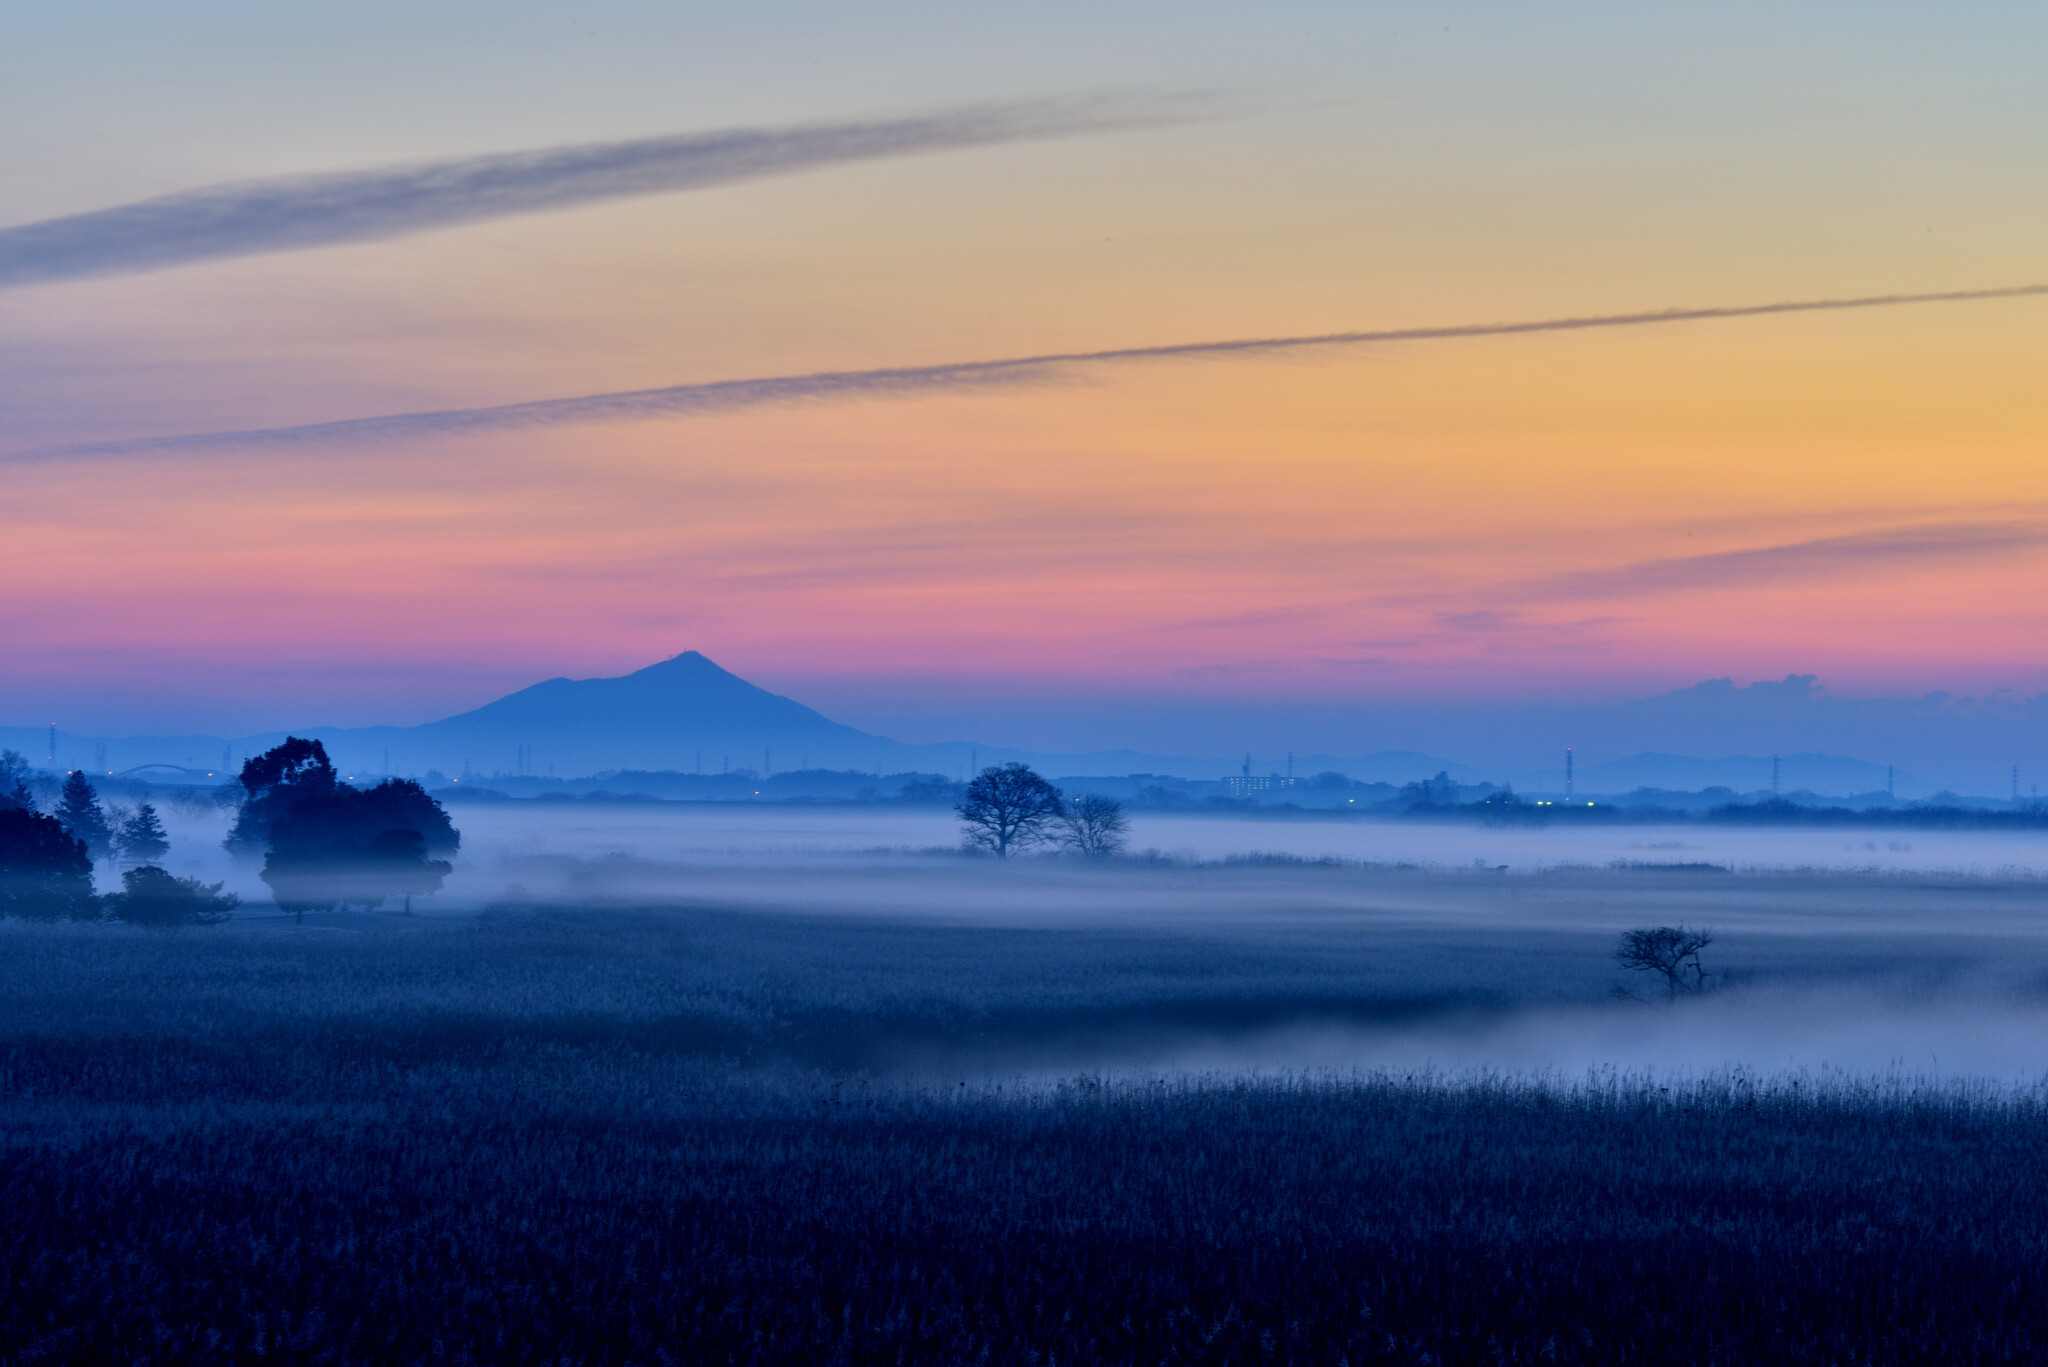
x,y
1009,807
329,844
46,870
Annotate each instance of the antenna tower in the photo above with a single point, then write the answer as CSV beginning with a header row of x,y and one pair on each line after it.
x,y
1774,775
1567,773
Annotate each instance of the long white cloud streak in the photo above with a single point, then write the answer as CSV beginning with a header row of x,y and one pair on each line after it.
x,y
1824,556
727,395
292,212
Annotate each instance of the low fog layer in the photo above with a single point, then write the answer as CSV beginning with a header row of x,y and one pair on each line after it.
x,y
693,834
1453,948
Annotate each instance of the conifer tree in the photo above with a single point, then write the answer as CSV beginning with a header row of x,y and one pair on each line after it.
x,y
14,781
142,838
79,810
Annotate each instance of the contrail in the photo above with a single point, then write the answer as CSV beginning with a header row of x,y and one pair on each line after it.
x,y
293,212
728,395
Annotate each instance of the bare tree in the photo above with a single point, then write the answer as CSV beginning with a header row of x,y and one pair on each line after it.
x,y
1008,807
1670,952
1096,826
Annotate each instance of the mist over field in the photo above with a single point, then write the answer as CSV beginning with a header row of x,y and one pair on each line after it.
x,y
1260,946
791,1083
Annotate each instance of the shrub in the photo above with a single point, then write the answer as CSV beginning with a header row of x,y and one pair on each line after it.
x,y
151,897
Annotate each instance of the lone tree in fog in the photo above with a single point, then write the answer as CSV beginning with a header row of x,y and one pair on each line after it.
x,y
79,810
1096,826
1670,952
1008,807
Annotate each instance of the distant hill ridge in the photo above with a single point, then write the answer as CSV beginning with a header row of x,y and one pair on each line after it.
x,y
688,715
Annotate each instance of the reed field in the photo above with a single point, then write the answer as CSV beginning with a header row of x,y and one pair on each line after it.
x,y
627,1129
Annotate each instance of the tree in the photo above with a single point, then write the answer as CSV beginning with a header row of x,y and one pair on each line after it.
x,y
1008,807
1096,826
142,838
1670,952
45,871
1502,807
339,845
1432,792
151,897
14,781
271,783
79,810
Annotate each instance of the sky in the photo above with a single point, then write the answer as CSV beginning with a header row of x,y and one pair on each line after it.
x,y
234,218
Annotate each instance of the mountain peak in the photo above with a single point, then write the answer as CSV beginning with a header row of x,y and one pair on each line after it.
x,y
673,713
688,660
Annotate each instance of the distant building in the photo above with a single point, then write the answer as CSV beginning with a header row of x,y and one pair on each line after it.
x,y
1241,785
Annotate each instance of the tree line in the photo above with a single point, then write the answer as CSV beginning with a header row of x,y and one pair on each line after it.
x,y
46,861
324,843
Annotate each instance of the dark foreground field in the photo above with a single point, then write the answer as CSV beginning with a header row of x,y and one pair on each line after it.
x,y
636,1137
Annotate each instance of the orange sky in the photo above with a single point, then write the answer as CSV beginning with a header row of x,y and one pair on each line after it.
x,y
1855,495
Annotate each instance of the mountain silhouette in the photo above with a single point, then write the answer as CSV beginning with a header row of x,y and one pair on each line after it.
x,y
684,713
685,698
689,715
